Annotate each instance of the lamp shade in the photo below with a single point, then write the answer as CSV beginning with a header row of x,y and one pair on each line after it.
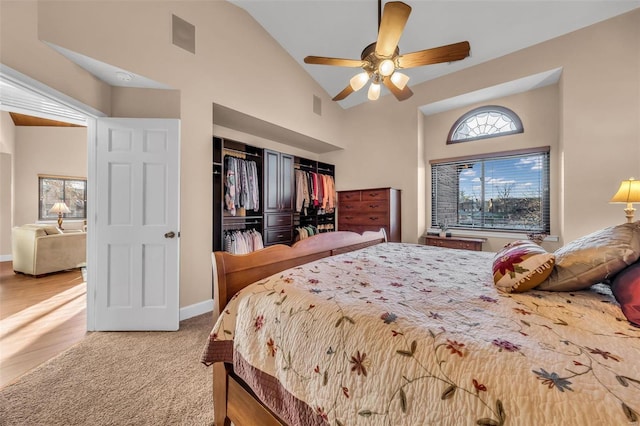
x,y
59,207
629,192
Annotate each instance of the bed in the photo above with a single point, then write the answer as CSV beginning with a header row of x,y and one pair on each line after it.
x,y
347,329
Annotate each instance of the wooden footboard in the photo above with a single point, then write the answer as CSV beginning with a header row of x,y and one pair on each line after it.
x,y
232,401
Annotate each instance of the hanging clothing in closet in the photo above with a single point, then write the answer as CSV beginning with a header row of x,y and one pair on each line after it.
x,y
241,184
242,242
314,190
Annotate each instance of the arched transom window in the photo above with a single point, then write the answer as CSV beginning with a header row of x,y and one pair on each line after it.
x,y
485,122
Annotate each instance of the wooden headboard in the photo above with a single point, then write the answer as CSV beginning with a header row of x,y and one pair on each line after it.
x,y
234,272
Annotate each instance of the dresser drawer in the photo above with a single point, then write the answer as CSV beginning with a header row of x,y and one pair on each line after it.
x,y
364,207
278,219
455,243
364,218
375,194
348,196
278,236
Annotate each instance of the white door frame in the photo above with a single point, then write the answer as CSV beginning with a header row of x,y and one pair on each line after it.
x,y
35,87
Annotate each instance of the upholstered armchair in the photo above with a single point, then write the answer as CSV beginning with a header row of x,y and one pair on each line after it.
x,y
39,250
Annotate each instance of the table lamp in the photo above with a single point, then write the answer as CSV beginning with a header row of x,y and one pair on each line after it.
x,y
60,208
628,193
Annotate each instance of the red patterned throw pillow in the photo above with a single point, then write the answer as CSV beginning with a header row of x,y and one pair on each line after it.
x,y
626,289
521,266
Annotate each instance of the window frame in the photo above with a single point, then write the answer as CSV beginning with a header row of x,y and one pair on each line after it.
x,y
481,110
43,211
545,190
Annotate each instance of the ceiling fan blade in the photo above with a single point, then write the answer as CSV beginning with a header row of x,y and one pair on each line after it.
x,y
345,92
392,24
436,55
400,94
321,60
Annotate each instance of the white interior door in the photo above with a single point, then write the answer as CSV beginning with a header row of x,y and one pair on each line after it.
x,y
136,224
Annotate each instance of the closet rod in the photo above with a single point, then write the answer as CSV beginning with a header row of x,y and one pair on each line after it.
x,y
306,166
230,219
237,151
238,226
255,222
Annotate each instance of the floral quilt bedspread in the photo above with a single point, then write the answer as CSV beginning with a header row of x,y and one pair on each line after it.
x,y
404,334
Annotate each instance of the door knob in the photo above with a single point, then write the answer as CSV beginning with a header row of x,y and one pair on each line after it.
x,y
170,234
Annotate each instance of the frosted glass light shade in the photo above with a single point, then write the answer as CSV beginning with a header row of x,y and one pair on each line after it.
x,y
386,67
399,80
374,92
358,81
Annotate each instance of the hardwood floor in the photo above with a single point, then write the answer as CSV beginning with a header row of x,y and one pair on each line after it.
x,y
39,318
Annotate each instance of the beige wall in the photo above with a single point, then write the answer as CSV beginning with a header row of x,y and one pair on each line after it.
x,y
239,66
599,131
59,151
539,111
229,45
7,143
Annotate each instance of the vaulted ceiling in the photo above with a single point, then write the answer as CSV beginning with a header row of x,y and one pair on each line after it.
x,y
343,28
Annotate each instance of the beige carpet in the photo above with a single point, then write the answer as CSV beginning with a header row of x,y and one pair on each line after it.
x,y
118,378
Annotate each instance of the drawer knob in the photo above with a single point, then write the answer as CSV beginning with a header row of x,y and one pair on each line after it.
x,y
373,218
373,206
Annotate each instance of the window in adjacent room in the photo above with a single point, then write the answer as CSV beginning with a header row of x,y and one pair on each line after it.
x,y
53,189
485,122
506,191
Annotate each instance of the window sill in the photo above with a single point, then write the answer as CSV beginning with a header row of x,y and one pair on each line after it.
x,y
490,234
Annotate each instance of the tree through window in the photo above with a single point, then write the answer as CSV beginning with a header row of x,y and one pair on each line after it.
x,y
54,189
504,191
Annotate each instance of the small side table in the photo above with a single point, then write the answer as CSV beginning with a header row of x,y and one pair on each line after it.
x,y
461,243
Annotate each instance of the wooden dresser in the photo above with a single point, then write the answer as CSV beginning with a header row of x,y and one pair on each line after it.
x,y
463,243
369,210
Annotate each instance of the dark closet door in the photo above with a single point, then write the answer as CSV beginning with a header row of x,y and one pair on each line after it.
x,y
271,181
278,182
287,183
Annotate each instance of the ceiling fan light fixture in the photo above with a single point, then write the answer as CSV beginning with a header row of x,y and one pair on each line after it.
x,y
399,80
381,58
386,67
374,92
358,81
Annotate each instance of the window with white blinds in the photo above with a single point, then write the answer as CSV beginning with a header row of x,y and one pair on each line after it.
x,y
506,191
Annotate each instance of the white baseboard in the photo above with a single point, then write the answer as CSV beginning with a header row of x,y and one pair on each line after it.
x,y
9,258
196,309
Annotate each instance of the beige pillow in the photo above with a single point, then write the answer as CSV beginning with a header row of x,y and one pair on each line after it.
x,y
51,230
520,266
594,258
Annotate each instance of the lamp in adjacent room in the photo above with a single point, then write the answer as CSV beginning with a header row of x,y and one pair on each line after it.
x,y
60,208
628,193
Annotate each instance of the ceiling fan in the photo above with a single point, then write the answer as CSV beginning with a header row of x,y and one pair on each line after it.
x,y
381,60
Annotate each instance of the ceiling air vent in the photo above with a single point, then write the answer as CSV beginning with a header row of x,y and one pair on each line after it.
x,y
184,34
